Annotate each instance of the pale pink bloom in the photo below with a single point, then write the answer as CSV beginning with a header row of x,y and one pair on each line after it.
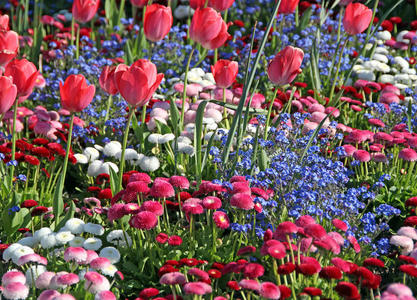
x,y
44,280
15,290
105,295
76,254
48,295
405,243
13,276
96,283
408,232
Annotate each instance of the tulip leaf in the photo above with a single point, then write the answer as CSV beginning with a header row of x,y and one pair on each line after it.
x,y
174,116
198,138
305,19
409,116
68,215
58,201
114,179
206,153
235,107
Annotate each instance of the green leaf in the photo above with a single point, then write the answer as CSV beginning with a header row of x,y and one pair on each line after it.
x,y
114,179
198,138
206,153
58,201
174,116
305,19
235,107
128,53
409,116
68,215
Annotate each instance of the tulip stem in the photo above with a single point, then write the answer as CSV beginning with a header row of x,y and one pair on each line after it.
x,y
225,109
72,30
268,117
372,19
16,104
122,158
67,151
337,71
296,16
184,93
109,103
121,10
77,43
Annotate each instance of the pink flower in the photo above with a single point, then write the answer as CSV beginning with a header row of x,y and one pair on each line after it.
x,y
106,80
362,155
15,290
197,288
162,189
269,290
48,295
220,5
116,212
354,243
249,284
172,278
305,220
76,254
285,66
67,279
33,257
315,231
174,240
405,243
202,275
153,206
208,28
105,295
84,10
44,280
221,220
212,202
357,18
161,238
9,46
192,208
399,289
180,182
13,276
145,220
242,201
100,263
158,21
339,224
253,270
8,92
96,283
408,154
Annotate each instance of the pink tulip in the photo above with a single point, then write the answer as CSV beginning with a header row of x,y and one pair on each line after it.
x,y
285,66
4,23
221,5
84,10
197,4
357,18
76,94
8,92
138,82
208,28
9,46
106,80
24,74
287,6
139,3
158,21
225,72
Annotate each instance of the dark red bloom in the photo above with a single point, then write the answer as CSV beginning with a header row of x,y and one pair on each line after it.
x,y
409,270
411,202
32,160
253,270
411,221
286,268
408,259
234,285
105,194
313,291
213,273
37,211
41,151
174,240
285,291
374,262
331,272
28,203
347,289
149,292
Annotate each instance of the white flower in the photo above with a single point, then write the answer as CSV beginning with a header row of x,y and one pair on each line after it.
x,y
183,11
162,105
149,163
111,148
152,123
48,241
409,71
366,75
205,83
111,254
41,233
212,126
98,147
33,272
384,35
94,168
91,153
92,244
95,229
167,138
28,241
105,168
109,270
209,77
75,225
118,238
400,37
130,154
77,241
20,251
64,237
154,138
8,253
187,149
386,78
184,139
81,158
402,62
381,57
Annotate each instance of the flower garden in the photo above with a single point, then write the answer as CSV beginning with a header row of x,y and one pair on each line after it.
x,y
208,149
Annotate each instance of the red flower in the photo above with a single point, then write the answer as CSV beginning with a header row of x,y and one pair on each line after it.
x,y
28,203
84,10
408,259
287,6
242,201
315,231
106,80
8,92
213,273
158,21
145,220
76,94
174,240
233,285
285,291
331,272
285,66
24,74
224,72
308,266
411,202
246,250
339,224
253,270
313,291
37,211
409,269
40,151
31,160
357,18
161,238
347,289
221,220
373,262
9,41
202,275
149,292
286,268
411,221
105,194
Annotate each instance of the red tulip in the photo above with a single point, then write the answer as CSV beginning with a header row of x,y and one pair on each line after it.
x,y
138,82
84,10
357,18
139,3
4,23
287,6
286,65
76,94
158,22
8,93
9,46
197,4
24,74
224,72
208,28
106,80
221,5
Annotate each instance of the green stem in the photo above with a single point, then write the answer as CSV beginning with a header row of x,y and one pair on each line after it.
x,y
226,121
77,43
72,31
122,158
296,17
67,152
109,103
268,117
121,9
14,133
337,71
373,17
184,93
142,126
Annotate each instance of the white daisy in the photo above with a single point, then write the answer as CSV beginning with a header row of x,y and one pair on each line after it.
x,y
95,229
111,254
92,244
